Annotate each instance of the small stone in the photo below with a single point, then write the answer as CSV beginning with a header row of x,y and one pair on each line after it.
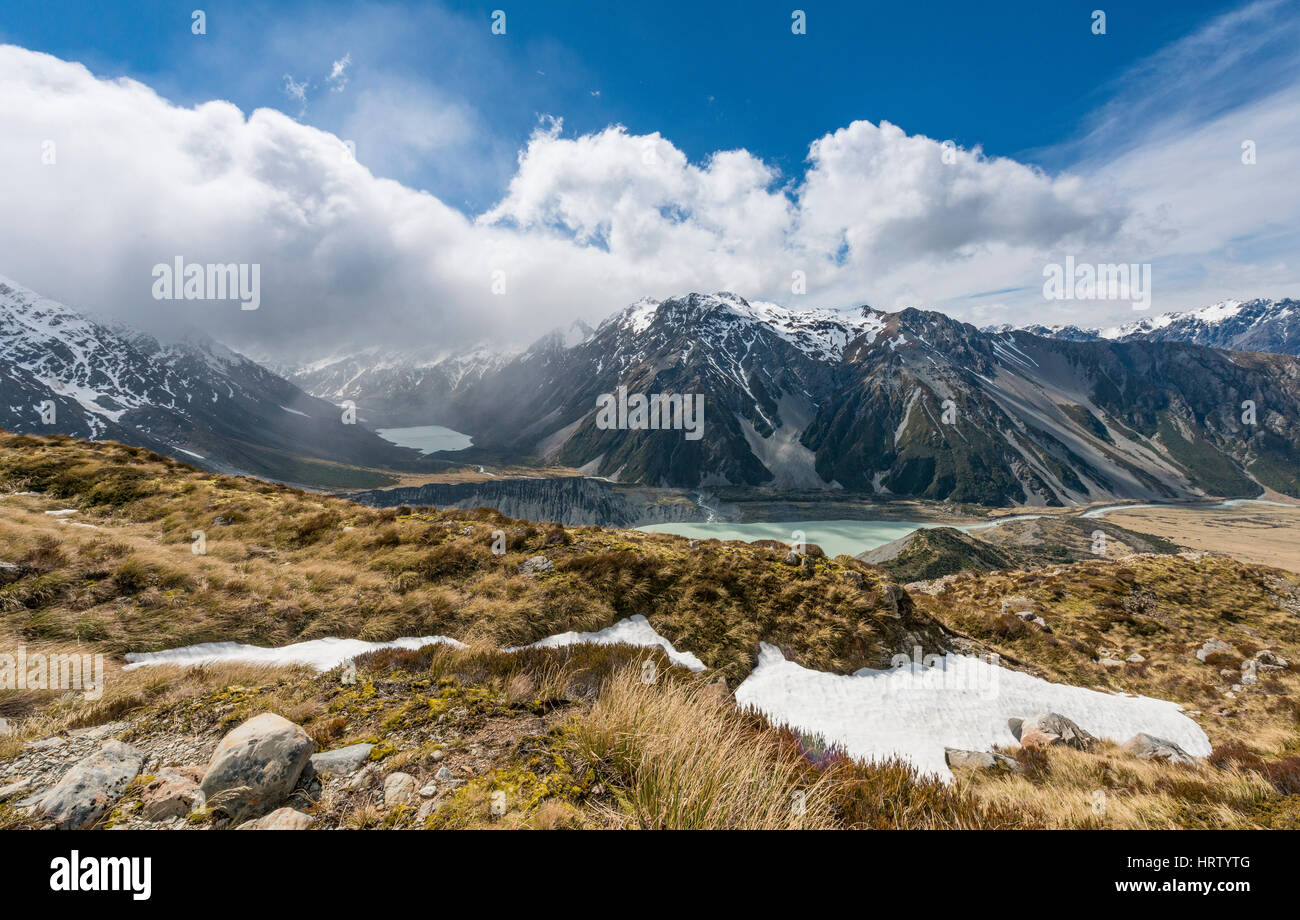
x,y
366,778
444,775
1051,728
256,766
979,760
437,755
399,789
426,808
282,819
1270,661
536,565
1214,647
1111,664
1135,658
342,761
11,572
1149,747
173,793
429,791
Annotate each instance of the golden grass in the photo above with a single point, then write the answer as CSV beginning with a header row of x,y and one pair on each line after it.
x,y
1108,788
686,761
284,565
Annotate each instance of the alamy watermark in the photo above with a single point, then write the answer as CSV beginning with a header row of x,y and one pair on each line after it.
x,y
1104,281
656,412
211,281
946,672
23,670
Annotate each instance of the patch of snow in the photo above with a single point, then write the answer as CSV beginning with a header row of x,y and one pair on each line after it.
x,y
324,654
321,654
914,711
635,630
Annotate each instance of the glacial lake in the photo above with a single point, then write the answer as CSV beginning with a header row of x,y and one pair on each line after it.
x,y
834,537
853,537
426,438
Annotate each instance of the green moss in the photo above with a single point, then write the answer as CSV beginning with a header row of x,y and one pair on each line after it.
x,y
381,750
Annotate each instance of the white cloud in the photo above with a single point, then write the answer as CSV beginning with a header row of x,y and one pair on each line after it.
x,y
589,223
338,75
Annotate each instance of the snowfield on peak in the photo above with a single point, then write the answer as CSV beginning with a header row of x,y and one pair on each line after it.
x,y
1214,313
820,334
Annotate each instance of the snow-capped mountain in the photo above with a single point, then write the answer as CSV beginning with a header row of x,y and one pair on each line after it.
x,y
195,400
397,388
1253,325
909,403
1271,326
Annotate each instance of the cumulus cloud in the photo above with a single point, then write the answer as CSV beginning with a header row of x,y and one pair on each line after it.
x,y
591,222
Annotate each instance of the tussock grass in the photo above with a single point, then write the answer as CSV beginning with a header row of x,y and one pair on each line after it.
x,y
685,760
1108,788
283,565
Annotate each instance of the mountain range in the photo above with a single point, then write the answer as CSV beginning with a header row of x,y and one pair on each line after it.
x,y
887,404
909,403
1249,325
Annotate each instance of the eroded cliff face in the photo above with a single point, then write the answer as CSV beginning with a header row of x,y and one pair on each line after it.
x,y
572,501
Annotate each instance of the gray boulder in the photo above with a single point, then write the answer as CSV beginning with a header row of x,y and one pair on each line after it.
x,y
256,766
91,786
1214,647
1270,661
342,761
1050,728
1149,747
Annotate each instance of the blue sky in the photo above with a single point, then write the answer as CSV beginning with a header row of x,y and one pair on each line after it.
x,y
597,153
1015,77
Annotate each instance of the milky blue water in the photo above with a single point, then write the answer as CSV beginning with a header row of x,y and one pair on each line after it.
x,y
426,438
834,537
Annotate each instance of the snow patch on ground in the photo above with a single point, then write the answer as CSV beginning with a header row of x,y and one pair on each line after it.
x,y
635,630
324,654
914,711
321,654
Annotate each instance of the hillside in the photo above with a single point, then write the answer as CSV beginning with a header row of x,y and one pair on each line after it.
x,y
573,734
193,399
